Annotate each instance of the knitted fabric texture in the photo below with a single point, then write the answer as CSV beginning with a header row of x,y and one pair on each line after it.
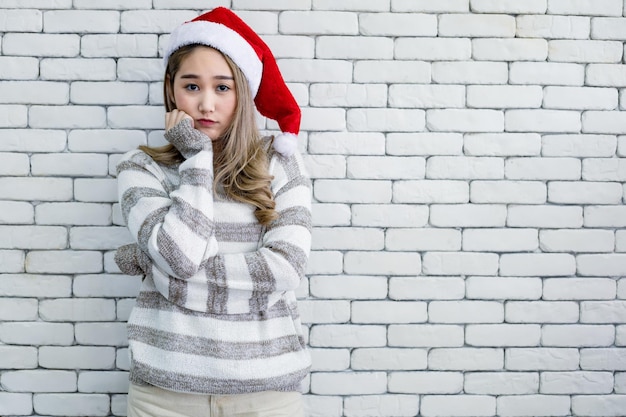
x,y
217,312
187,140
127,259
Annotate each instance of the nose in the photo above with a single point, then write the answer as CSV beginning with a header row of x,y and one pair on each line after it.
x,y
206,103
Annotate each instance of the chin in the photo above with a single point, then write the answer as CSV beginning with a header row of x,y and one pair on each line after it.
x,y
211,134
206,131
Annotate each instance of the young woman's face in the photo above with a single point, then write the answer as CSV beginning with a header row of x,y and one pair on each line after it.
x,y
204,88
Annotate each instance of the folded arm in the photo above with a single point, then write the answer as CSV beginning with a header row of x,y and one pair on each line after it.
x,y
252,281
175,229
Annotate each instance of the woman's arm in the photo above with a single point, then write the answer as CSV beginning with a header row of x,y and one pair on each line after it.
x,y
175,230
280,262
253,281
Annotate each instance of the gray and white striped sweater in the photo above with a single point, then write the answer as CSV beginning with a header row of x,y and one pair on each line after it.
x,y
217,312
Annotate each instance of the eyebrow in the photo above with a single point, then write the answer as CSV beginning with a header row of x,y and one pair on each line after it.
x,y
217,77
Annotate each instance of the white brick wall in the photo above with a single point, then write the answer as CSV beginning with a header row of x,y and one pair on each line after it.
x,y
469,178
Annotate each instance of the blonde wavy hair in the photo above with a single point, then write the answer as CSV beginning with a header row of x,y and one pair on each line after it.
x,y
241,162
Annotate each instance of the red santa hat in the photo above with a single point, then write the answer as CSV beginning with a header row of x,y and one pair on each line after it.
x,y
225,31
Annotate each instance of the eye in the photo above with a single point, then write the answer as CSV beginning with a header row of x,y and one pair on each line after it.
x,y
223,88
192,87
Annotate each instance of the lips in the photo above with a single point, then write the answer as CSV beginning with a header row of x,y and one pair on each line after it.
x,y
206,122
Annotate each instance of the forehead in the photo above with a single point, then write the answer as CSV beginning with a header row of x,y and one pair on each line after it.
x,y
204,61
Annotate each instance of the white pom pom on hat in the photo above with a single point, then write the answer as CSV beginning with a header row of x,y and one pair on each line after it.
x,y
223,30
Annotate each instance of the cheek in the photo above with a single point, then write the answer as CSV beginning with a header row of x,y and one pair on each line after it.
x,y
182,101
231,105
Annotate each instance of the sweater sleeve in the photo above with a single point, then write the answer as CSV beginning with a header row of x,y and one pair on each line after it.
x,y
280,262
174,229
236,283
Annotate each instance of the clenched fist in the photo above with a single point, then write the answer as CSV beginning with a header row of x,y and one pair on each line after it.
x,y
179,131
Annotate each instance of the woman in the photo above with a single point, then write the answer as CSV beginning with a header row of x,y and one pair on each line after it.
x,y
222,225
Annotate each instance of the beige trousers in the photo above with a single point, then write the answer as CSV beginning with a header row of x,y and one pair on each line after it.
x,y
149,401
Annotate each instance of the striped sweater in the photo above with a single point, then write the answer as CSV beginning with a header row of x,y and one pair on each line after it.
x,y
217,312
